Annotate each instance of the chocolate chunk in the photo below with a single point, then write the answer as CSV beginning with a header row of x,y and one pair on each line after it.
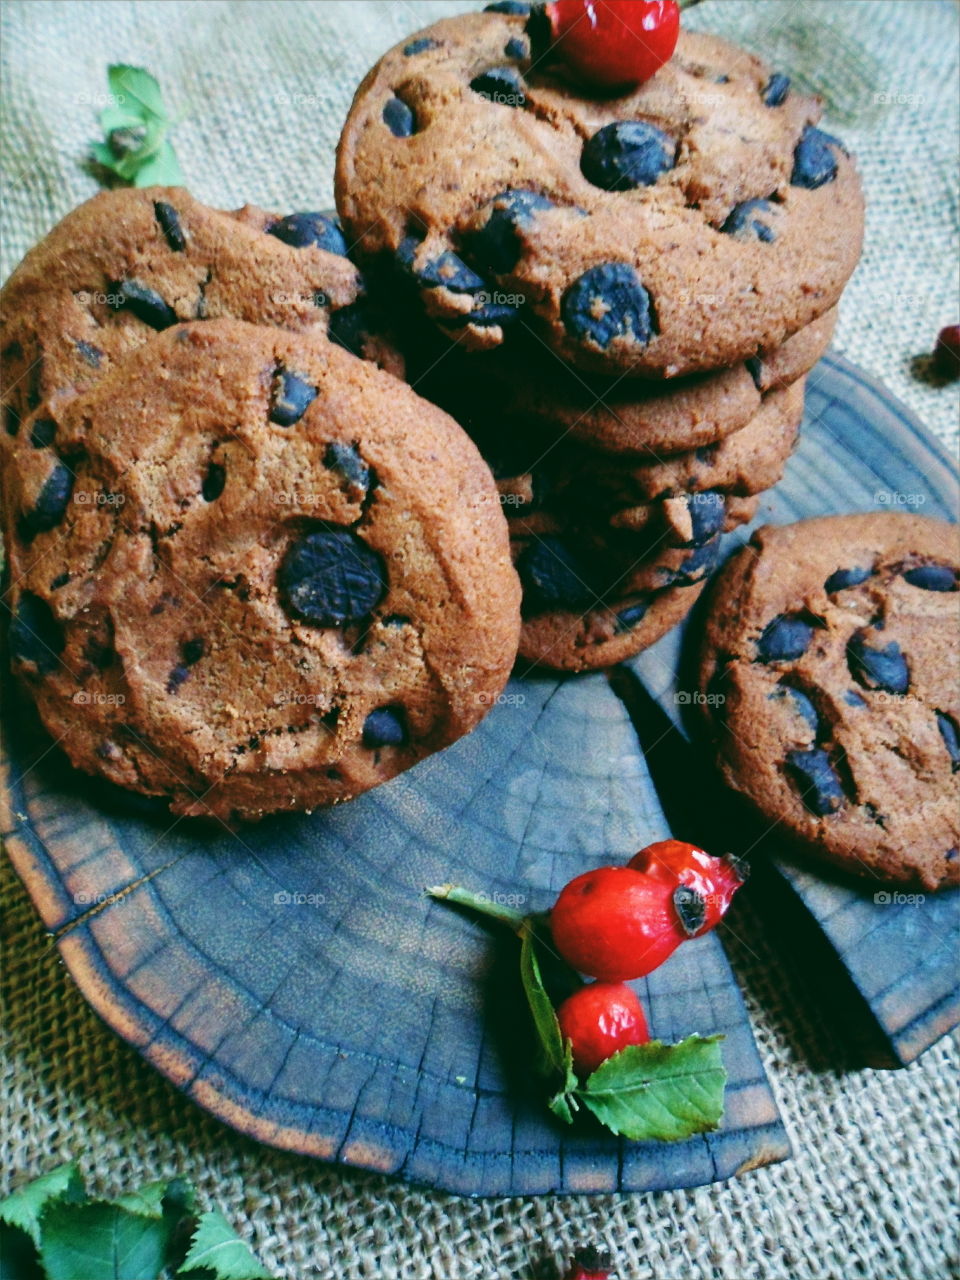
x,y
346,461
814,161
91,354
816,780
330,578
142,302
746,221
608,302
627,154
399,118
775,90
51,505
292,396
841,579
876,667
214,481
311,230
43,433
385,727
784,639
495,246
35,634
950,733
169,221
419,46
932,577
552,576
501,85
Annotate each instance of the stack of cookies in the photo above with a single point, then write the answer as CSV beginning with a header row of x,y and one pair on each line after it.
x,y
618,297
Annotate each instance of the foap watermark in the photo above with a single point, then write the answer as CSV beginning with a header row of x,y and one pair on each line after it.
x,y
896,498
301,298
94,698
286,898
82,899
298,498
98,498
497,899
501,699
892,898
499,299
295,698
85,99
897,98
697,698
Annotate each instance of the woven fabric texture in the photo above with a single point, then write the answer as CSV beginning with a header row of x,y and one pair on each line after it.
x,y
263,87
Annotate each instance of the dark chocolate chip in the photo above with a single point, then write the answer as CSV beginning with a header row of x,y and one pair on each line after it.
x,y
627,154
419,46
853,699
814,161
516,48
633,615
501,85
816,780
876,667
169,221
745,221
51,505
507,6
351,327
303,230
399,118
91,354
699,564
552,576
708,511
142,302
755,369
292,396
800,704
11,420
950,733
191,651
932,577
785,638
59,581
841,579
396,620
446,271
43,433
346,461
214,481
776,89
496,246
35,634
691,909
177,676
608,302
385,727
330,577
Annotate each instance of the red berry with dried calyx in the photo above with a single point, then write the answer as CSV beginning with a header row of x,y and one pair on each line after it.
x,y
590,1263
599,1020
946,354
712,880
611,44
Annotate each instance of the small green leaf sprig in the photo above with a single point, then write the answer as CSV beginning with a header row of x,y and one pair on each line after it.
x,y
135,125
646,1092
153,1233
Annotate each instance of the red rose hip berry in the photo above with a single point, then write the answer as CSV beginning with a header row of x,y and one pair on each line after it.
x,y
613,44
946,354
713,880
599,1020
615,923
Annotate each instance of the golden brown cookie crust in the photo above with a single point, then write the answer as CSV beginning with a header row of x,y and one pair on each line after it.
x,y
894,816
716,298
171,659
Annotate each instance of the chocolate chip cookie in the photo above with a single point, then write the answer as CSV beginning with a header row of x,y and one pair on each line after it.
x,y
682,227
258,574
613,415
831,647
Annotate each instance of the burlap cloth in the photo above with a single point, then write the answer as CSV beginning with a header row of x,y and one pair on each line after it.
x,y
264,87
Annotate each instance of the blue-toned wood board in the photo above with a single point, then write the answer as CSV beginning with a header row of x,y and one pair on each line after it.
x,y
887,970
295,981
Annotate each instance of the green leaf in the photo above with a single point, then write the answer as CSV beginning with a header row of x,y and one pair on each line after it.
x,y
659,1091
549,1039
135,126
217,1248
146,1201
80,1242
136,91
25,1206
160,170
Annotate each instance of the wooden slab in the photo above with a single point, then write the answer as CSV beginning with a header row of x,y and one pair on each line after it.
x,y
295,981
885,969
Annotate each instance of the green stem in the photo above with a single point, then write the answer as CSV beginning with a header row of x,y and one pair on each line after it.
x,y
480,903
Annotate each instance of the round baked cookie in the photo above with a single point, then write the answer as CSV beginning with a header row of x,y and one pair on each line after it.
x,y
833,644
621,416
130,263
593,638
261,574
747,462
681,227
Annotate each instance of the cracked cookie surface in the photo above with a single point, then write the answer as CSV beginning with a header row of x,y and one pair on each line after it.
x,y
260,574
833,644
682,227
